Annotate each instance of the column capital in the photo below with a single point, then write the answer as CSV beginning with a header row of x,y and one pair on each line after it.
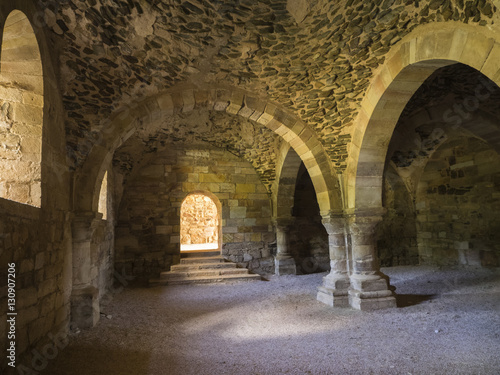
x,y
334,222
83,223
365,212
283,222
333,214
365,220
86,216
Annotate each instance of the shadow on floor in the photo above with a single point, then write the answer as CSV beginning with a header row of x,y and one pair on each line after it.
x,y
84,359
406,300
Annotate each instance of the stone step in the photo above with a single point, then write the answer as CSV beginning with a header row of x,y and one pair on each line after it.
x,y
200,253
198,273
204,279
212,259
201,266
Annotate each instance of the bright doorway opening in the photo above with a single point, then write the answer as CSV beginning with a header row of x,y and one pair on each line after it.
x,y
200,223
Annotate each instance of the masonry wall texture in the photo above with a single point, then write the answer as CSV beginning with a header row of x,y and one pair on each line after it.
x,y
320,66
37,245
457,202
429,225
246,139
308,237
172,97
148,229
397,233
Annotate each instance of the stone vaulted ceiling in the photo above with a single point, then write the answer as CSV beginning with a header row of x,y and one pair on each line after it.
x,y
457,83
241,137
316,63
457,90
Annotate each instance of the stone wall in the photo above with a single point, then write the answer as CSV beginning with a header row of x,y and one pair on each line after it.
x,y
93,255
308,239
397,233
21,112
458,203
148,229
238,135
38,243
37,239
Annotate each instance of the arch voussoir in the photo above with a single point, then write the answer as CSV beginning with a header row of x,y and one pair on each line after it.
x,y
235,102
418,55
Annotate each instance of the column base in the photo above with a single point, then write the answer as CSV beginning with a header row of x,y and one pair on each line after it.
x,y
284,266
370,292
85,311
334,291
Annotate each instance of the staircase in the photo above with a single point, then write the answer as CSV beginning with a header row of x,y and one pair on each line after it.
x,y
203,267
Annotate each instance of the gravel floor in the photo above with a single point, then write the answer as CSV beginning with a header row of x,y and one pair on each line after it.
x,y
448,322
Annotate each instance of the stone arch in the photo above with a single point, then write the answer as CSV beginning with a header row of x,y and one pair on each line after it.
x,y
407,159
21,111
481,125
102,207
216,202
408,65
233,101
285,183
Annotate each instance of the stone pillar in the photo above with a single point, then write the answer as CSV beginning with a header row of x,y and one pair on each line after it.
x,y
84,296
369,287
284,264
334,291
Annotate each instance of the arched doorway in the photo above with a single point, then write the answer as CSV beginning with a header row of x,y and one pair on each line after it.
x,y
200,223
21,112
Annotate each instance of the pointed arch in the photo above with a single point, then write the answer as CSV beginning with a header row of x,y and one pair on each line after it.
x,y
285,183
103,197
416,57
233,101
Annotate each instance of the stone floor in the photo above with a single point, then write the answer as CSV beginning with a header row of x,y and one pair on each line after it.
x,y
448,322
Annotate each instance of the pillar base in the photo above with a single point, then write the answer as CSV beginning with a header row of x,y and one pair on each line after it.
x,y
284,266
370,292
334,291
85,307
332,297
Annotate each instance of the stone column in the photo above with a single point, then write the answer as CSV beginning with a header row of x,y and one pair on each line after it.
x,y
334,291
84,296
284,264
369,287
